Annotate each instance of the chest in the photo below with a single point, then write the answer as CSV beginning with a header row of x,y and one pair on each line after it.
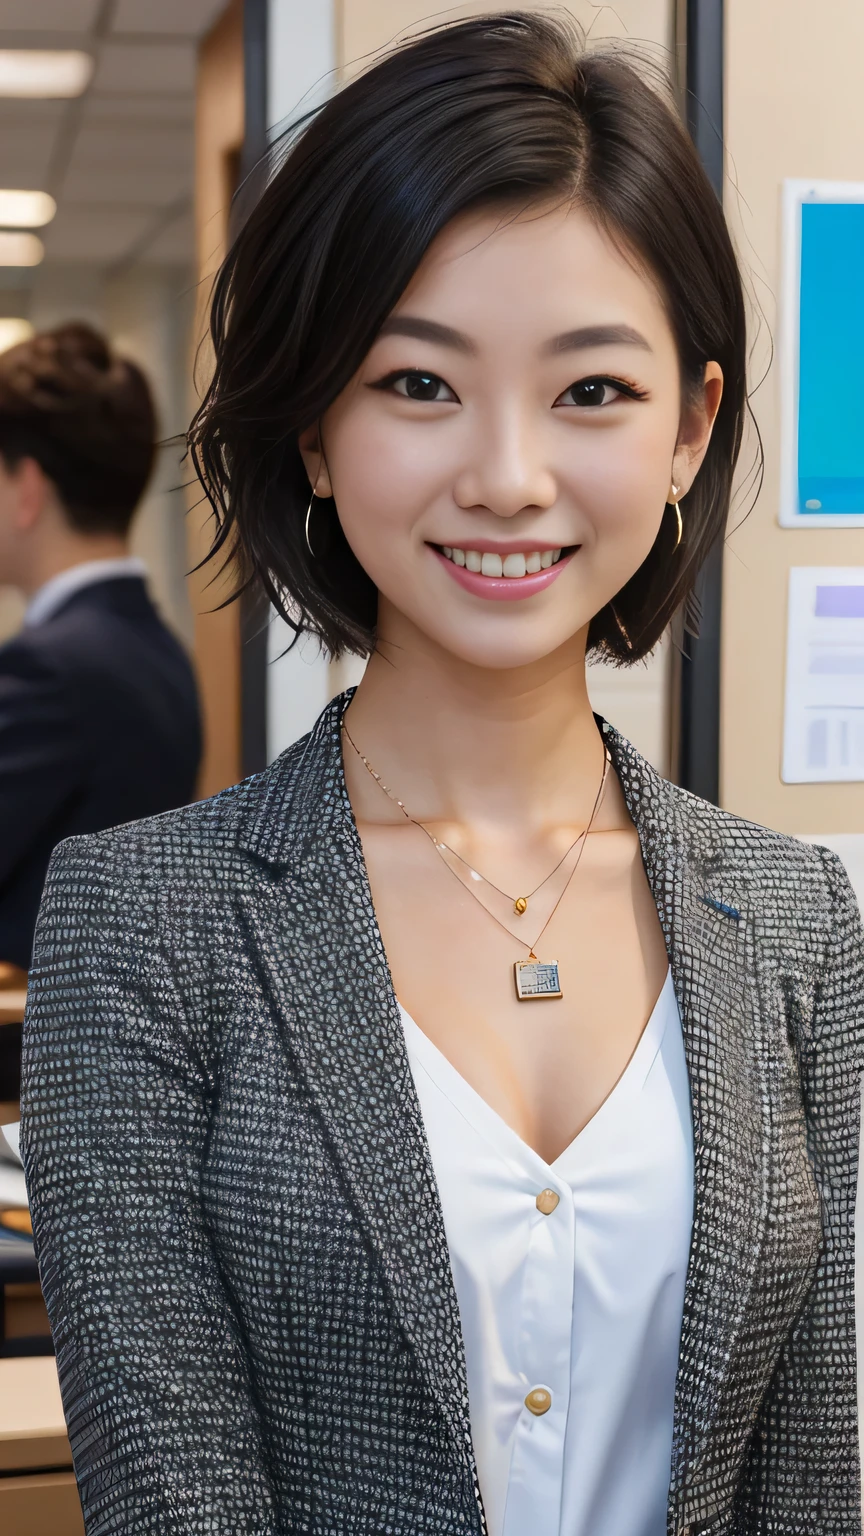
x,y
570,1280
546,1064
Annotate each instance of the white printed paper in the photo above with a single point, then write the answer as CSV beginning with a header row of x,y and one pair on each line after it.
x,y
823,737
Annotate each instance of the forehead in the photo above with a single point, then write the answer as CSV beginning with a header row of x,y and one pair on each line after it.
x,y
538,272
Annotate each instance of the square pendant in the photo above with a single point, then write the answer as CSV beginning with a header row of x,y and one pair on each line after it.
x,y
536,979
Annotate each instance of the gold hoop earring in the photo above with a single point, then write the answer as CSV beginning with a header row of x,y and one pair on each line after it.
x,y
308,514
677,495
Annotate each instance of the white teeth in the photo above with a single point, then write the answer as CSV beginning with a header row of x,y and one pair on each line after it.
x,y
514,565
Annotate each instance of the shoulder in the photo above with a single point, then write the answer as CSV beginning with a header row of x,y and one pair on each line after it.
x,y
767,852
772,872
194,843
32,687
26,654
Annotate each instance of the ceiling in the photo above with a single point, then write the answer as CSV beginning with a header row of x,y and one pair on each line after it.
x,y
119,160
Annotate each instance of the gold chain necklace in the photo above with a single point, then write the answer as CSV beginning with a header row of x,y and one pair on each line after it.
x,y
534,978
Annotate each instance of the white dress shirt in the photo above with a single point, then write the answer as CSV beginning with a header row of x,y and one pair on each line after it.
x,y
574,1305
54,593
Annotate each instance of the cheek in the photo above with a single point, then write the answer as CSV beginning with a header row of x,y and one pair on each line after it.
x,y
383,481
623,482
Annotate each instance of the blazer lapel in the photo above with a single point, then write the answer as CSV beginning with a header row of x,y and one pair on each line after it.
x,y
703,908
313,929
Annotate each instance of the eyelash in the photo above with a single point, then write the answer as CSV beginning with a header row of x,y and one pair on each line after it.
x,y
631,391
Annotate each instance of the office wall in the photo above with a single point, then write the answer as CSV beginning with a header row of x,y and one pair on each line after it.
x,y
148,315
793,108
218,143
366,25
310,50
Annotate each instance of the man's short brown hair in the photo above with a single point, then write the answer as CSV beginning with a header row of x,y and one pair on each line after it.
x,y
86,416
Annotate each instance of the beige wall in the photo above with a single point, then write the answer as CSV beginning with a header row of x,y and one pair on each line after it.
x,y
218,143
793,109
364,25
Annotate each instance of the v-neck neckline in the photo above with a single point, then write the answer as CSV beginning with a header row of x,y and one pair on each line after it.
x,y
470,1103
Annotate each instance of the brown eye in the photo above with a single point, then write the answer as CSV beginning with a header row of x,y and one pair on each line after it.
x,y
590,392
423,386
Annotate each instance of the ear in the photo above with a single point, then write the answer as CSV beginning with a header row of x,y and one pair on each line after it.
x,y
32,492
694,433
315,464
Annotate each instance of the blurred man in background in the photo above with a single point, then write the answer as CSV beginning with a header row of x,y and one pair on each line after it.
x,y
99,715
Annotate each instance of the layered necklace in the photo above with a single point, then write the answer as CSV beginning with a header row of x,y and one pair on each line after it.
x,y
535,979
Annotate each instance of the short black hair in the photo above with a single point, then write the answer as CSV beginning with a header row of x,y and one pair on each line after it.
x,y
503,110
86,416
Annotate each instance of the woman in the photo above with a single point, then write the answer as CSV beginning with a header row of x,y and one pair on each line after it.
x,y
340,1229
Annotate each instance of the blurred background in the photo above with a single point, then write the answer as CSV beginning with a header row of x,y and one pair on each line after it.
x,y
129,125
102,120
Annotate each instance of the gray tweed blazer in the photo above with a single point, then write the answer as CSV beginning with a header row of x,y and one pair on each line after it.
x,y
239,1233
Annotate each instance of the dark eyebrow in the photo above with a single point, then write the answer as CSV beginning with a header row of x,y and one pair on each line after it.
x,y
427,330
598,336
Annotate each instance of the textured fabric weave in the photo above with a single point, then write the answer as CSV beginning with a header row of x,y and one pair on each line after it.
x,y
240,1238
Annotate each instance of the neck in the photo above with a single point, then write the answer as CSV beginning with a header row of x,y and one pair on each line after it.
x,y
56,555
473,744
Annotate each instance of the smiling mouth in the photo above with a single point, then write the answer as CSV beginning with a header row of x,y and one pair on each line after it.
x,y
511,566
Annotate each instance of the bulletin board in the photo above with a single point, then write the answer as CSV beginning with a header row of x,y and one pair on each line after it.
x,y
822,344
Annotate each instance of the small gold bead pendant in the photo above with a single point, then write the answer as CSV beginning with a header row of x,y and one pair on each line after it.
x,y
520,905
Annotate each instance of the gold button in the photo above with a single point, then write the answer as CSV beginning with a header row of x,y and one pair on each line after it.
x,y
538,1401
546,1202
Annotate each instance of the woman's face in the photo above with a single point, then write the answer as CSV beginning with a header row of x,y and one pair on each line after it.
x,y
502,459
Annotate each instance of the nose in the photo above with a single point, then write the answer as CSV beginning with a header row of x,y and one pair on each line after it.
x,y
506,472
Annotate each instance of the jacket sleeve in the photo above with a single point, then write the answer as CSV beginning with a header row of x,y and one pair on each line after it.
x,y
803,1477
117,1091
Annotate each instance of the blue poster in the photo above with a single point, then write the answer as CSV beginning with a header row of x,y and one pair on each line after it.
x,y
831,356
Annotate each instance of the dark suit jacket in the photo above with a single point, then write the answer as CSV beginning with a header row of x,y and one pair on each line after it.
x,y
239,1233
98,725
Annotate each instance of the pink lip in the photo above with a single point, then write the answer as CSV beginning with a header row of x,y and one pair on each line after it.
x,y
502,589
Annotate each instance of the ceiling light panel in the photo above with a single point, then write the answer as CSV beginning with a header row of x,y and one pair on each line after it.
x,y
25,210
18,249
44,72
12,331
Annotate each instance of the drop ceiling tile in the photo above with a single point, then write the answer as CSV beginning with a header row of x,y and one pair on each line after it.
x,y
25,155
50,15
130,147
22,113
191,18
175,243
151,188
146,67
86,232
121,108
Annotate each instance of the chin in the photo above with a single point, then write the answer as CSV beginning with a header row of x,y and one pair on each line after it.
x,y
499,651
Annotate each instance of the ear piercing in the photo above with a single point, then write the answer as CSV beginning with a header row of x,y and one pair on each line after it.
x,y
308,514
674,499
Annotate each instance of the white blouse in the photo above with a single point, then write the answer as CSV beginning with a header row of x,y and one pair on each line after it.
x,y
570,1283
